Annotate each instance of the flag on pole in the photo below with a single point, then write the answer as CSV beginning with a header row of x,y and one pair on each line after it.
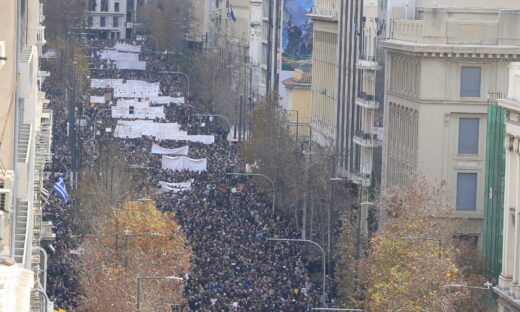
x,y
59,188
230,14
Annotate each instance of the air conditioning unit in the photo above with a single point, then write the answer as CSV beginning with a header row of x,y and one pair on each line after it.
x,y
6,187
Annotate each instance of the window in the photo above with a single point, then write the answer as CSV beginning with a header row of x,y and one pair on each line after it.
x,y
115,21
104,5
102,22
470,82
91,5
466,191
116,6
468,135
90,21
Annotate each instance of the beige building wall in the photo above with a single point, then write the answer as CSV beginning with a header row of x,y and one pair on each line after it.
x,y
324,71
439,70
298,96
508,287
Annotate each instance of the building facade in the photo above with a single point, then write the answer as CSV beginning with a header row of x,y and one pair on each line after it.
x,y
324,16
298,99
26,138
441,63
111,19
508,288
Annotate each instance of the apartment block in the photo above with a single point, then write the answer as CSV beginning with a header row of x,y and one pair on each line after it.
x,y
111,19
324,15
26,139
442,59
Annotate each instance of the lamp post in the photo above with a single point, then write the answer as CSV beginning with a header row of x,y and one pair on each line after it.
x,y
178,73
425,239
297,119
129,234
331,203
258,175
220,116
304,124
95,124
310,242
139,279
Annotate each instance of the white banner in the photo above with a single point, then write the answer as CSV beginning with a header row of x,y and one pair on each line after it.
x,y
138,112
125,47
134,103
134,65
175,187
205,139
104,83
136,90
116,56
180,163
178,101
97,99
138,128
156,149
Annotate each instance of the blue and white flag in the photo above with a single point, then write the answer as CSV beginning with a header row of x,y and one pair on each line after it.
x,y
59,188
230,14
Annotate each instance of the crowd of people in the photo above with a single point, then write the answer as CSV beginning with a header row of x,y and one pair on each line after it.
x,y
227,222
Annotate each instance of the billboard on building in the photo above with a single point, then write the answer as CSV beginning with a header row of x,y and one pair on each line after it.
x,y
296,43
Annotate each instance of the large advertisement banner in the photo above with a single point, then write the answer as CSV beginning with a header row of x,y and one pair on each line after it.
x,y
296,40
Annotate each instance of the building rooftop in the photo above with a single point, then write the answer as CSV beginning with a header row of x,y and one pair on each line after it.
x,y
300,80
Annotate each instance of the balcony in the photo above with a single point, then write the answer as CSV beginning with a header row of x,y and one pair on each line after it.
x,y
40,36
366,139
367,101
358,177
368,62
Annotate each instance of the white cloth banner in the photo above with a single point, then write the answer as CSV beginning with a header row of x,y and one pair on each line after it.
x,y
138,112
97,99
116,56
104,83
205,139
178,101
138,128
136,90
175,187
162,100
180,163
134,65
125,47
156,149
134,103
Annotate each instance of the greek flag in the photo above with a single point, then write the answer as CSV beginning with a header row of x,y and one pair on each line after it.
x,y
230,14
59,188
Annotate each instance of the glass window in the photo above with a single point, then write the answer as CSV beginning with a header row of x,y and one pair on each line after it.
x,y
466,191
104,5
115,21
92,5
470,82
90,21
468,135
102,21
116,7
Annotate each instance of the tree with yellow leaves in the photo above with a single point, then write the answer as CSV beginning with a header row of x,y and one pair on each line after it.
x,y
414,257
137,241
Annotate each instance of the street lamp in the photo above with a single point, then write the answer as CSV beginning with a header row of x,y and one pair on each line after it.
x,y
331,203
95,124
258,175
425,239
129,234
178,73
220,116
297,119
310,242
175,278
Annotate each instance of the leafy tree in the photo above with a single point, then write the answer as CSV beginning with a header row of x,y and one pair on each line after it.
x,y
412,258
112,262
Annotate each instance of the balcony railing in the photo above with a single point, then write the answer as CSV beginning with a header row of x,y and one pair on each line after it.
x,y
367,101
407,30
368,62
366,139
40,36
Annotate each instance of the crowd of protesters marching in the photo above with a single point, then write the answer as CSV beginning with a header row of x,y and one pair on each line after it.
x,y
226,221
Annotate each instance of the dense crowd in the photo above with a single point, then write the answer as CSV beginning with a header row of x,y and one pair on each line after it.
x,y
226,221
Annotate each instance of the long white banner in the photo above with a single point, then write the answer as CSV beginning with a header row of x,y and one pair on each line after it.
x,y
175,187
156,149
134,65
180,163
125,47
136,90
138,112
105,83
